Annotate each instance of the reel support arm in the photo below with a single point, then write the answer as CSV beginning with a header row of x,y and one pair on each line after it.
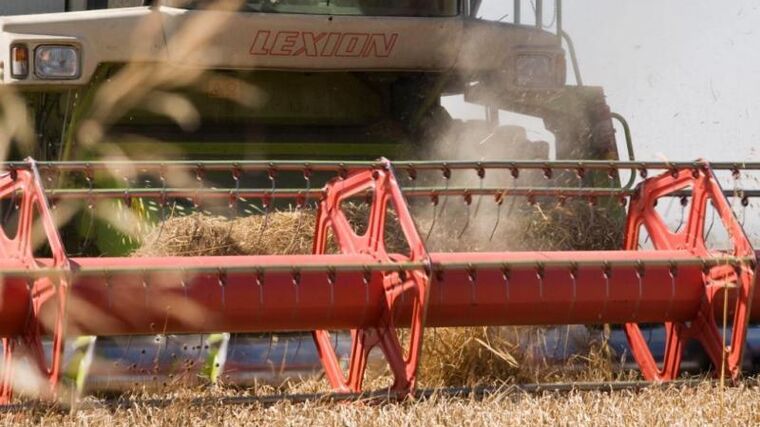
x,y
717,279
385,192
47,294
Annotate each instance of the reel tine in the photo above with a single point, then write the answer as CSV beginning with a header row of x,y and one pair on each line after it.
x,y
267,202
162,203
447,179
412,176
436,210
481,172
269,349
157,355
90,208
540,274
233,203
125,353
146,287
668,207
434,201
737,176
500,203
612,174
200,174
468,203
301,205
183,282
298,349
91,221
684,202
283,359
646,240
233,348
515,172
222,280
126,204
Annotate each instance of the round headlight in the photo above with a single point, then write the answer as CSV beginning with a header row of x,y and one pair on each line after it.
x,y
56,62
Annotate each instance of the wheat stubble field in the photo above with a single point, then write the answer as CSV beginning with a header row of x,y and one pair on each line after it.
x,y
704,404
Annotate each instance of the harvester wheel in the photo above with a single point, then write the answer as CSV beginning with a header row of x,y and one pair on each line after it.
x,y
717,279
411,285
43,315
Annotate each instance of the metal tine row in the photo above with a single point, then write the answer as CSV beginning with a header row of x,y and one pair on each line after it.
x,y
236,170
446,189
412,169
302,197
263,165
185,275
341,169
437,198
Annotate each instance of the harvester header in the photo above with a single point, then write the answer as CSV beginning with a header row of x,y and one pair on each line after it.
x,y
369,288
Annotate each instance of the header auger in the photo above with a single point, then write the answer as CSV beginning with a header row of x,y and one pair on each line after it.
x,y
365,287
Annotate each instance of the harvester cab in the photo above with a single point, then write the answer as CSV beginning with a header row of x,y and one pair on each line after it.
x,y
172,137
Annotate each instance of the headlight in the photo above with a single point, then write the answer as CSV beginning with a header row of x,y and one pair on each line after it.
x,y
536,71
56,62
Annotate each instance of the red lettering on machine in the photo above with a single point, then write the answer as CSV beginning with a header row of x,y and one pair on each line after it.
x,y
296,43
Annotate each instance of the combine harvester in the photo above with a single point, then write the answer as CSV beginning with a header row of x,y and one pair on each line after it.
x,y
348,80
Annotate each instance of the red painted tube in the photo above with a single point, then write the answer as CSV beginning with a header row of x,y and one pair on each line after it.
x,y
107,298
525,299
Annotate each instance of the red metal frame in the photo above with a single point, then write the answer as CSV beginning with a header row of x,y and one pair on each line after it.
x,y
413,284
373,292
717,279
48,295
